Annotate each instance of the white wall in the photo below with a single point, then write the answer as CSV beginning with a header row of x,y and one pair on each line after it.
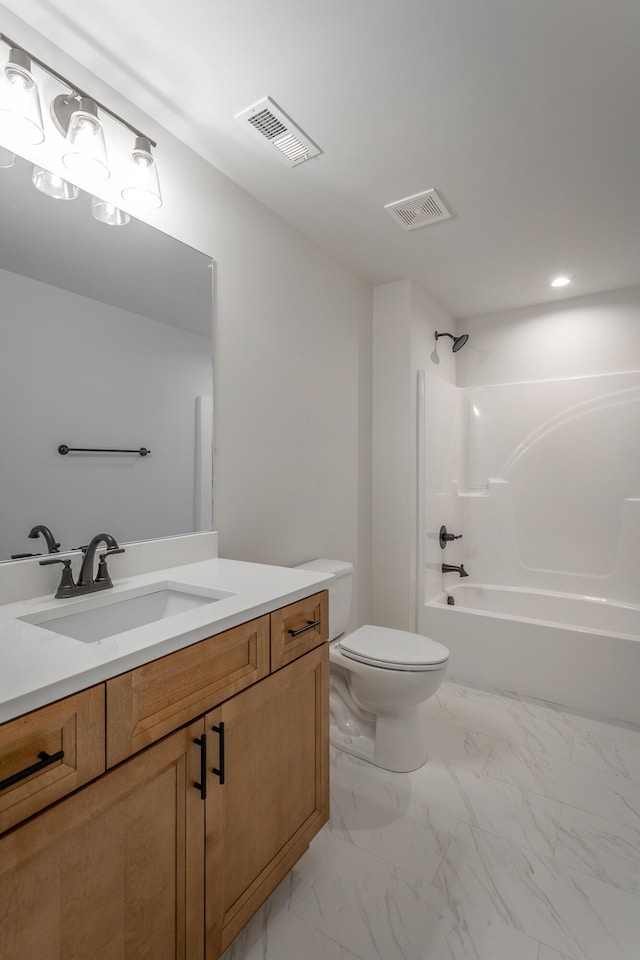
x,y
575,337
80,372
292,348
405,319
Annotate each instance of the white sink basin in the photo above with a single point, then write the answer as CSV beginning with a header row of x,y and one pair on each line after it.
x,y
98,617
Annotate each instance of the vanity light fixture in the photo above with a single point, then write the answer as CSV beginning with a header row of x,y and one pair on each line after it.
x,y
77,117
108,213
143,188
53,185
560,281
85,154
20,114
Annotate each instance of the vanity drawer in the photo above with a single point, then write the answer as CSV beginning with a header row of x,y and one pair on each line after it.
x,y
298,628
49,752
153,700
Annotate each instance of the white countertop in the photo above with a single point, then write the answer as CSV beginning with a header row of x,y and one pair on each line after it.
x,y
38,666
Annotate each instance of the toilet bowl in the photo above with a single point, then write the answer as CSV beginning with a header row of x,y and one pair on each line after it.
x,y
379,679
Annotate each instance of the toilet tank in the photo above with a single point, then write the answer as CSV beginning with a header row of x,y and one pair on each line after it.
x,y
339,591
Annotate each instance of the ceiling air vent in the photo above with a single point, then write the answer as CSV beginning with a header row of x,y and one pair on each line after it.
x,y
272,123
419,210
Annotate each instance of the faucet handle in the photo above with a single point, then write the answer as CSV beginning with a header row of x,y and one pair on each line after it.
x,y
66,587
444,537
109,552
103,575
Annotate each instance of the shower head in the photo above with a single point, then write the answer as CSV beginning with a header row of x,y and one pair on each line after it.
x,y
458,342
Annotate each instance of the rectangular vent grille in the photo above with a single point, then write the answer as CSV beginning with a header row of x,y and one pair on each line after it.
x,y
272,123
266,124
419,210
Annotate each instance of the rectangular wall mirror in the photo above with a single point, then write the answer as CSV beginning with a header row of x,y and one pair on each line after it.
x,y
105,343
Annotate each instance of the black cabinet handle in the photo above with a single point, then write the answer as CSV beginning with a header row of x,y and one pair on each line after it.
x,y
44,760
219,772
202,786
310,625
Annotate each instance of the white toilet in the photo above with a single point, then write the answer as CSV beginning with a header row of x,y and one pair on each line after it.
x,y
379,677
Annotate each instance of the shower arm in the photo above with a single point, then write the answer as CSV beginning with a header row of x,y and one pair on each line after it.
x,y
458,342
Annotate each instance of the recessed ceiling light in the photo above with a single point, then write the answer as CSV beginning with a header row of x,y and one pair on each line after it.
x,y
560,281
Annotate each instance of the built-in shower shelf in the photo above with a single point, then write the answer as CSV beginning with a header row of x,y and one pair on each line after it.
x,y
473,490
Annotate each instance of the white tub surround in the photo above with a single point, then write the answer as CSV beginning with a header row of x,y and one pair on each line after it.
x,y
580,651
39,666
541,480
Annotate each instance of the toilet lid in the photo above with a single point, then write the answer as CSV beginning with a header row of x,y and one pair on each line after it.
x,y
393,649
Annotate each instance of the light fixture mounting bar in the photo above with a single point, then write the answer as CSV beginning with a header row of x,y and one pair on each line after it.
x,y
75,89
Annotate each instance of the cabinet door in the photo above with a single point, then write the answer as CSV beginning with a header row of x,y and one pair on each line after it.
x,y
275,795
114,872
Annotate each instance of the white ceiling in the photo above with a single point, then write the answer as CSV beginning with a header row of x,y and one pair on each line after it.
x,y
523,114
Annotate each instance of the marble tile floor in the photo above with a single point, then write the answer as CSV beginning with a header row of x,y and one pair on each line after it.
x,y
518,840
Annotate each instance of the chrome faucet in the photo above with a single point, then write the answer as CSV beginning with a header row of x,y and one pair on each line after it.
x,y
450,568
86,584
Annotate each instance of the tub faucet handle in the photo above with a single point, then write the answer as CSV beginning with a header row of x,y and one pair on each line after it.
x,y
444,537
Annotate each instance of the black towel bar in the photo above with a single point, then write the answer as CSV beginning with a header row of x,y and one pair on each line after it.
x,y
64,450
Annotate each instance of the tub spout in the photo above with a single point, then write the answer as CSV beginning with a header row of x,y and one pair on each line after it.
x,y
451,568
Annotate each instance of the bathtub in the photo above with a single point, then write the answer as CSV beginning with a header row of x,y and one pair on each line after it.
x,y
579,651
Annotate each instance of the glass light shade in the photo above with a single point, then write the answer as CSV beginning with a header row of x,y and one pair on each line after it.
x,y
7,159
143,186
53,185
108,213
20,114
86,153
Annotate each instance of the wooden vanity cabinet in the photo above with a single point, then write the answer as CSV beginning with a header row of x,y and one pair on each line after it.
x,y
275,791
168,854
114,872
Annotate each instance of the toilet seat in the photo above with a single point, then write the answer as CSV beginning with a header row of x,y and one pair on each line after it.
x,y
393,649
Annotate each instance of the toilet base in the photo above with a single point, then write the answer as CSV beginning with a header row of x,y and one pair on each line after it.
x,y
393,742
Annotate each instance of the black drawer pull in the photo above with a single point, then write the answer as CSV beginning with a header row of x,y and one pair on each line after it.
x,y
219,772
44,760
311,625
202,786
